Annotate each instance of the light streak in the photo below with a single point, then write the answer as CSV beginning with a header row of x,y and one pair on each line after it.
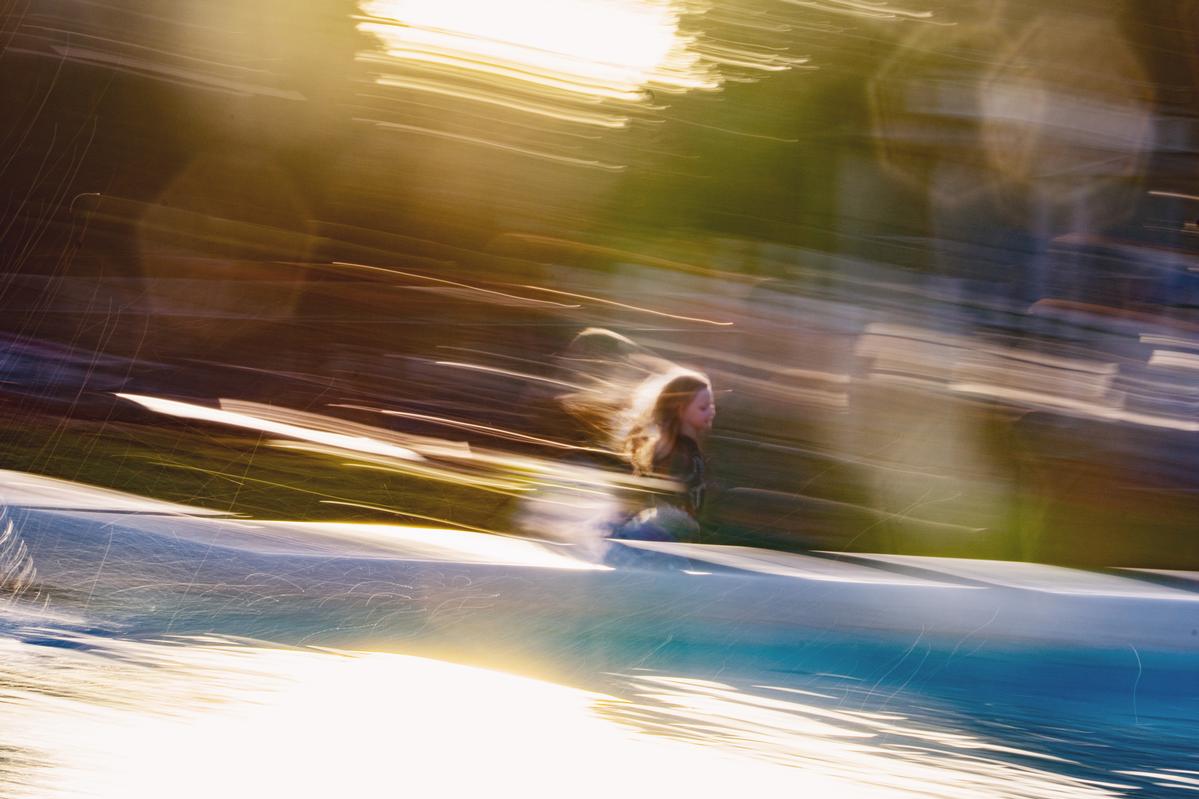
x,y
732,132
443,281
768,385
461,546
1170,778
553,243
1174,194
525,80
454,477
789,564
594,64
169,73
411,515
737,57
1180,360
1091,409
608,48
424,445
870,10
637,308
184,410
508,373
599,120
1169,341
1037,577
458,137
482,428
39,491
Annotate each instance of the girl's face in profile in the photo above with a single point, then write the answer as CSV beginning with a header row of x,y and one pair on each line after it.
x,y
697,416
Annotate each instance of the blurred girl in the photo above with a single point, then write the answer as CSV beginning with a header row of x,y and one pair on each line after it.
x,y
671,415
639,469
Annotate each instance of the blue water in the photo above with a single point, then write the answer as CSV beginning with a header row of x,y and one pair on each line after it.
x,y
133,623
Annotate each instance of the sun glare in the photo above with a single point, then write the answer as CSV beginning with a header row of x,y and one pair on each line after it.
x,y
579,48
206,717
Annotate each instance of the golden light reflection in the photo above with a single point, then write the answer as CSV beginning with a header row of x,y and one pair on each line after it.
x,y
584,48
204,717
489,429
357,443
543,74
868,10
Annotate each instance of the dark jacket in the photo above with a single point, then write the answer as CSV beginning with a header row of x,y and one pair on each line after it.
x,y
685,464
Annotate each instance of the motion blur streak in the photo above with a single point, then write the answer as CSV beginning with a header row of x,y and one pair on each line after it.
x,y
878,10
39,491
1169,780
594,49
456,137
634,307
454,477
513,104
1088,387
581,490
454,283
443,543
187,410
495,431
360,310
831,743
309,723
545,74
509,372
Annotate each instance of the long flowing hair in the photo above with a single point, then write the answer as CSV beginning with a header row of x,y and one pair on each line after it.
x,y
630,399
655,431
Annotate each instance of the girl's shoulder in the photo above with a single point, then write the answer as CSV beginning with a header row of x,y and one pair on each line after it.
x,y
683,453
689,444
